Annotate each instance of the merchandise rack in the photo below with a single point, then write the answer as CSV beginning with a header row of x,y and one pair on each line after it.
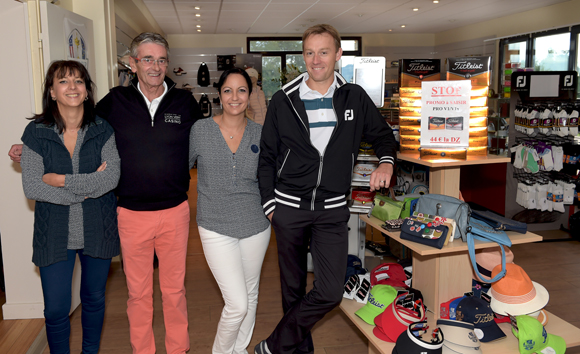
x,y
442,274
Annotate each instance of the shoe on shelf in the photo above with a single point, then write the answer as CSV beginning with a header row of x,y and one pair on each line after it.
x,y
187,86
262,348
179,71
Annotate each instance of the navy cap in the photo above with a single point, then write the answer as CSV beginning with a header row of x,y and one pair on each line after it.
x,y
477,311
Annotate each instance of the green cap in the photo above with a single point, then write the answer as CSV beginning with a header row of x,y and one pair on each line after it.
x,y
380,297
533,338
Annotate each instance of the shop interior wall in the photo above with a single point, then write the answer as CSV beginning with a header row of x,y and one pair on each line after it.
x,y
189,60
23,295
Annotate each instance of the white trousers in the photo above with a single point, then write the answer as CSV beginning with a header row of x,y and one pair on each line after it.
x,y
236,265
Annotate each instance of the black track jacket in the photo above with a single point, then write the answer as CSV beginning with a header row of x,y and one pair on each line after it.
x,y
291,170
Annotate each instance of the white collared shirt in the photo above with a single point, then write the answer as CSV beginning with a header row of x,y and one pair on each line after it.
x,y
321,115
153,105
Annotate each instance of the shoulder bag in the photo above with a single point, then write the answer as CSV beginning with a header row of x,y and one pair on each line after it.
x,y
499,222
479,230
446,206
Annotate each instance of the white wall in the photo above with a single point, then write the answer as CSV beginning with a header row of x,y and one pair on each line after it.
x,y
24,294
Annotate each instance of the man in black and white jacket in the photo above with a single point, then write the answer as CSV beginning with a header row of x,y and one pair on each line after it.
x,y
309,143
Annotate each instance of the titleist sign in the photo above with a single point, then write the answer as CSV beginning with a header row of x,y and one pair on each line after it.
x,y
476,69
463,65
369,61
415,71
420,66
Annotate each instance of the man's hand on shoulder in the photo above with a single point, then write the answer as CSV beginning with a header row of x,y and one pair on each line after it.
x,y
381,177
15,153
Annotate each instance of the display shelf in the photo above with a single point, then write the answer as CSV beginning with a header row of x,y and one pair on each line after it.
x,y
508,345
444,173
452,247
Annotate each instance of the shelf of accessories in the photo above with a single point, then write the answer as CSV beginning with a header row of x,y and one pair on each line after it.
x,y
508,345
452,247
446,273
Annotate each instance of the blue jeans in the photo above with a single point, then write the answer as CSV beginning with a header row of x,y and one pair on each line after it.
x,y
56,286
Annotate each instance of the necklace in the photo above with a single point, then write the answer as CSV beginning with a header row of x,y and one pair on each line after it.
x,y
235,133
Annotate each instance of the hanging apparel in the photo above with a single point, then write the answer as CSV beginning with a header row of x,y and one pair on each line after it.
x,y
203,75
205,106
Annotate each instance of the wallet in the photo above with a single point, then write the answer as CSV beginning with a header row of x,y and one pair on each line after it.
x,y
431,234
392,225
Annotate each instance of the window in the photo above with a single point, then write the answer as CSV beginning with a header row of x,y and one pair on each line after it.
x,y
552,52
282,59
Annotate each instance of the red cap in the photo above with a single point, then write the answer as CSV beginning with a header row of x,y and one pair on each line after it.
x,y
390,274
444,308
395,320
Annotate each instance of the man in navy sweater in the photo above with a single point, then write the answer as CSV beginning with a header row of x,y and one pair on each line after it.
x,y
152,120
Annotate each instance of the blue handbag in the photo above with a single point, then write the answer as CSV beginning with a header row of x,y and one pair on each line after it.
x,y
480,230
499,222
446,206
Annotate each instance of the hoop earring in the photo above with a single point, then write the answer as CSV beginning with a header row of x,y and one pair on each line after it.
x,y
86,98
54,98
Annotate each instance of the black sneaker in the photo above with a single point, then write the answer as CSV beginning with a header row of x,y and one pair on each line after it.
x,y
262,348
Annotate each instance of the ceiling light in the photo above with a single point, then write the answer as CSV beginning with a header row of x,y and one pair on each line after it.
x,y
199,30
435,1
403,26
197,8
197,15
390,30
198,26
416,9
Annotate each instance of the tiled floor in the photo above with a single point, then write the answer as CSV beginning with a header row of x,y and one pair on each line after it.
x,y
556,265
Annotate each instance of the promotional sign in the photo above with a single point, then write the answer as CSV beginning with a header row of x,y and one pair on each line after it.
x,y
445,114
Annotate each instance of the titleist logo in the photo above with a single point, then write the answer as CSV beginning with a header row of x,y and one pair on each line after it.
x,y
464,65
420,66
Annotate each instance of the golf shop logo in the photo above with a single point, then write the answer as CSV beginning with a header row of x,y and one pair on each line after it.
x,y
348,114
521,81
568,80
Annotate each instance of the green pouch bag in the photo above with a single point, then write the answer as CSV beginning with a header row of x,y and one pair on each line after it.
x,y
408,206
385,208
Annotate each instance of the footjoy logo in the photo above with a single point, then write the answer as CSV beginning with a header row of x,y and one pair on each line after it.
x,y
521,81
568,80
349,114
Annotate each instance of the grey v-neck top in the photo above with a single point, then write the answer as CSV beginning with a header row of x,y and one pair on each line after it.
x,y
228,199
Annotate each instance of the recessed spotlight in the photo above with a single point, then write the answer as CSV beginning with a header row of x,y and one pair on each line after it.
x,y
403,26
197,15
199,30
435,1
198,26
390,30
197,8
416,9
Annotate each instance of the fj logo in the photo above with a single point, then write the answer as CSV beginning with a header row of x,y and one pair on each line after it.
x,y
568,80
349,114
521,81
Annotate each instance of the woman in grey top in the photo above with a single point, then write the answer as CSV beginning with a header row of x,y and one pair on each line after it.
x,y
233,229
70,166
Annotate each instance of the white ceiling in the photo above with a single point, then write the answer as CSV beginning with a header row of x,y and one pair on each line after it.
x,y
348,16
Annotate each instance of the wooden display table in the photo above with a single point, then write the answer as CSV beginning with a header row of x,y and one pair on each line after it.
x,y
508,345
442,274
